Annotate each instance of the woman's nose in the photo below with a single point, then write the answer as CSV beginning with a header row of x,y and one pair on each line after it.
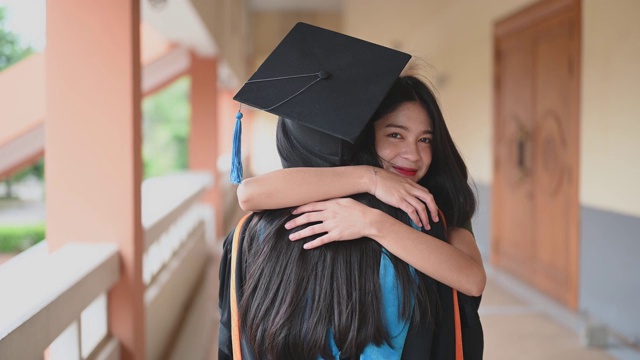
x,y
410,151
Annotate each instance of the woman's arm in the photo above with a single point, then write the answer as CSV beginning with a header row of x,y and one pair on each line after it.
x,y
457,264
297,186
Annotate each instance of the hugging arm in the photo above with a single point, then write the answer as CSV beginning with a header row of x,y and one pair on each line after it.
x,y
297,186
457,264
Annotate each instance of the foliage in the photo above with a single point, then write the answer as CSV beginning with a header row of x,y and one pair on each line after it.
x,y
16,238
10,49
165,129
10,53
37,170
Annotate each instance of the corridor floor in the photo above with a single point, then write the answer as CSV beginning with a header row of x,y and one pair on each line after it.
x,y
519,329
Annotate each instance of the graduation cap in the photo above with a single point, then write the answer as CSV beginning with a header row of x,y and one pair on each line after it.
x,y
323,83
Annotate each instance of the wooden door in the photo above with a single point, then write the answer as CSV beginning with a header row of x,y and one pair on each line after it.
x,y
535,202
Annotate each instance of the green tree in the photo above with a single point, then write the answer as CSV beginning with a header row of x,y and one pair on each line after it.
x,y
10,53
15,238
36,170
165,129
10,49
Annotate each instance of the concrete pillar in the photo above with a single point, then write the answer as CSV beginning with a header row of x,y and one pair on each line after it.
x,y
203,150
93,141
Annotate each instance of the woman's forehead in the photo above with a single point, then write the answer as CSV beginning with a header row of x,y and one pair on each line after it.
x,y
409,116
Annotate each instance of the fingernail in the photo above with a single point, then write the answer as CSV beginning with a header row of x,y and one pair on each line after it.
x,y
292,237
287,226
306,246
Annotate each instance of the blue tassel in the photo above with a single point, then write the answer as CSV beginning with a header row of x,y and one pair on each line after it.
x,y
236,152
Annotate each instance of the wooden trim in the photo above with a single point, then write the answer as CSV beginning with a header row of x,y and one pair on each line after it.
x,y
532,14
527,18
574,215
495,195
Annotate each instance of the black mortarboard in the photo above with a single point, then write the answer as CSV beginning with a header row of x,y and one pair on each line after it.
x,y
323,80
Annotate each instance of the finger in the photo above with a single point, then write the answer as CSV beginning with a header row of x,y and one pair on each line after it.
x,y
422,212
314,206
411,211
308,231
322,240
305,218
430,201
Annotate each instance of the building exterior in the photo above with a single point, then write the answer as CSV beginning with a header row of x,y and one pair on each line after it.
x,y
150,254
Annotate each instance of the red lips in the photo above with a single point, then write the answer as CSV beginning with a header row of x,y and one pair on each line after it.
x,y
408,172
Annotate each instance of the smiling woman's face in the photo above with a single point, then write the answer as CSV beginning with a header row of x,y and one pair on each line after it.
x,y
403,140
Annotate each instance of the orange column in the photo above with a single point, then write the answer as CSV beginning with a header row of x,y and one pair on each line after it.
x,y
93,141
203,150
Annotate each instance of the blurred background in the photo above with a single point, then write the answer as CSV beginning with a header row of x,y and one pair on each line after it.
x,y
116,123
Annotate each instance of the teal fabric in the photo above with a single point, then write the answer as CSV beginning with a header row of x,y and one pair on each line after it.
x,y
398,328
392,302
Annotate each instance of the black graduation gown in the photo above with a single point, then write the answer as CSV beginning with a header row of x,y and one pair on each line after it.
x,y
422,341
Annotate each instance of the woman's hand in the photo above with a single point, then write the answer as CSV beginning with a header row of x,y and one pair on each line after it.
x,y
341,219
406,195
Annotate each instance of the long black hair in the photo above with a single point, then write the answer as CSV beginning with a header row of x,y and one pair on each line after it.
x,y
447,178
293,300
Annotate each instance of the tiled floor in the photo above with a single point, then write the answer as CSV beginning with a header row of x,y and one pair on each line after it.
x,y
515,329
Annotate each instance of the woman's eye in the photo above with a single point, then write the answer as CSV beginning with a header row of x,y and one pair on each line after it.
x,y
425,140
395,135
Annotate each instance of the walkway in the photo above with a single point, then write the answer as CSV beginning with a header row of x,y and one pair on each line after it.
x,y
520,323
519,329
515,329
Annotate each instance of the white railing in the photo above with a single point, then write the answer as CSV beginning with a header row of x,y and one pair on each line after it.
x,y
178,232
56,304
47,300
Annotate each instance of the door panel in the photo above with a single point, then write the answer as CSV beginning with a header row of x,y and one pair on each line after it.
x,y
553,160
535,203
513,160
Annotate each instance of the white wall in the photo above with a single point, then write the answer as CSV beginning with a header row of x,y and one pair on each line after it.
x,y
610,109
264,157
455,38
455,41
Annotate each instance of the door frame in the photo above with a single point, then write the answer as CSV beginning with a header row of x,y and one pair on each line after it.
x,y
523,19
